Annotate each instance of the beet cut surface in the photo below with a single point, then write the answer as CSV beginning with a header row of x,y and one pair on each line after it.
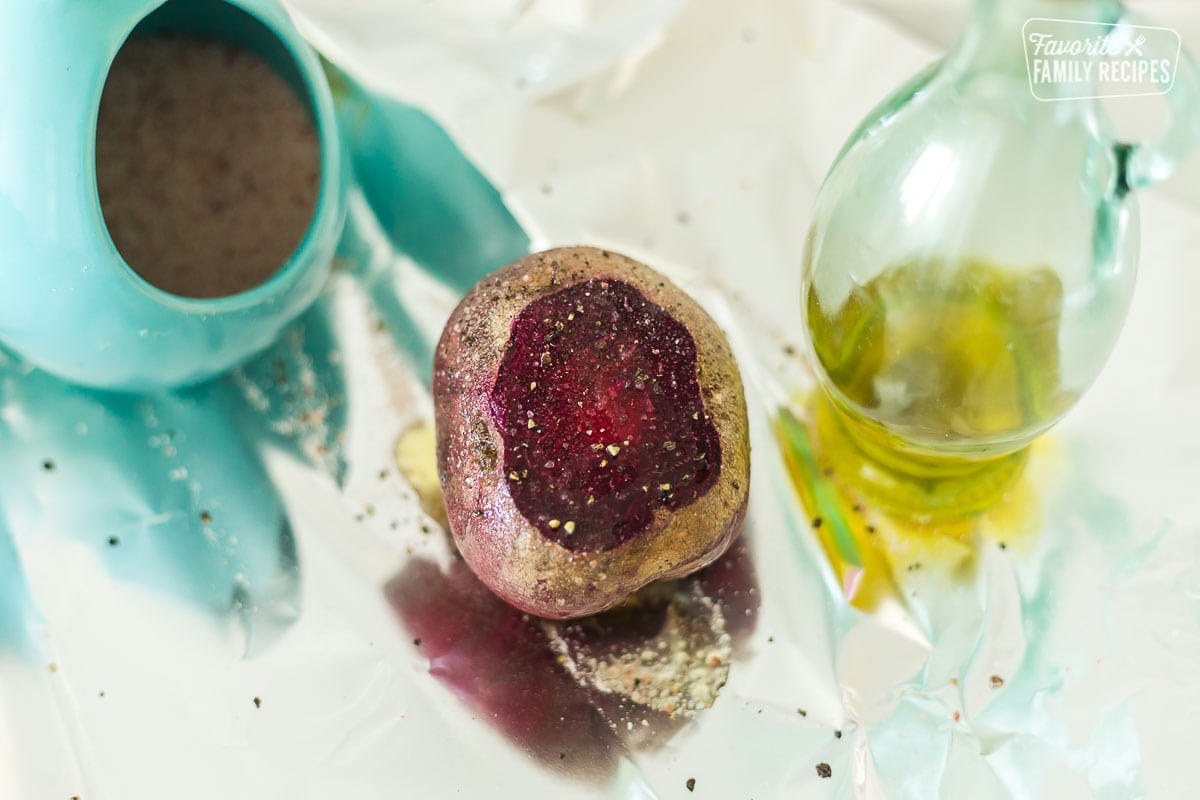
x,y
601,415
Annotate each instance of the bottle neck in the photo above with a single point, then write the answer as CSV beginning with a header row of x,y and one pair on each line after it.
x,y
994,36
1016,12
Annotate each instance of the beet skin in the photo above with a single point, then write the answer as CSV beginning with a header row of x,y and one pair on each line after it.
x,y
591,429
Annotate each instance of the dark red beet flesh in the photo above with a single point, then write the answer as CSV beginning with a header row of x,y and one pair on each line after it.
x,y
601,415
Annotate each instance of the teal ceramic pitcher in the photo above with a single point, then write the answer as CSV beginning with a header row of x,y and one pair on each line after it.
x,y
68,301
973,251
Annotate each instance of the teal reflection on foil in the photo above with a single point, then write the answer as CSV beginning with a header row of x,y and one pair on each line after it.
x,y
992,711
168,490
165,489
431,201
16,610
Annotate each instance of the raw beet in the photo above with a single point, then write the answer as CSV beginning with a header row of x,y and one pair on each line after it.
x,y
592,432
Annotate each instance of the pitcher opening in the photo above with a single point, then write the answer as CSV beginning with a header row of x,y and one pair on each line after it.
x,y
208,160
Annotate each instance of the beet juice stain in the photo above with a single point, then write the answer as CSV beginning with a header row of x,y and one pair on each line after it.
x,y
578,694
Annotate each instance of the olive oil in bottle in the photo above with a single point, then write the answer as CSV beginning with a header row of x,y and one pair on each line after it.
x,y
940,371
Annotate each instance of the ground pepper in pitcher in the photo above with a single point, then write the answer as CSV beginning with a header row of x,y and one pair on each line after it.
x,y
207,165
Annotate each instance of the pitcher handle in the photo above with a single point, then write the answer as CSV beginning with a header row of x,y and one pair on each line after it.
x,y
1153,161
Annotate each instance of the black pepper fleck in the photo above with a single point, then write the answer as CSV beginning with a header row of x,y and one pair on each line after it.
x,y
417,642
817,522
824,770
48,465
691,784
113,541
258,702
205,517
837,734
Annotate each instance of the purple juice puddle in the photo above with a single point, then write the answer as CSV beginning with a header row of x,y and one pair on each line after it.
x,y
495,659
578,694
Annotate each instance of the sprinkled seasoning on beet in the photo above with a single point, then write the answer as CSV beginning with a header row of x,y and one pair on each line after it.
x,y
600,411
591,430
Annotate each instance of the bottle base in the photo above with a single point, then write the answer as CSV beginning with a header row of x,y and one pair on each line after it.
x,y
908,485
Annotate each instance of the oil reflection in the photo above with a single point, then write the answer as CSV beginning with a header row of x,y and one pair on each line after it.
x,y
873,542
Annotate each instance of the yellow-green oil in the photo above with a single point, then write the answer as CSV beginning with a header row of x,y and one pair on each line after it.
x,y
937,377
939,374
872,550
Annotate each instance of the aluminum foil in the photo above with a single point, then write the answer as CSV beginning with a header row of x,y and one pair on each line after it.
x,y
236,591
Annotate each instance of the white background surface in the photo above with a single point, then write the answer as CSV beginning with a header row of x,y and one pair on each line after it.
x,y
694,135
